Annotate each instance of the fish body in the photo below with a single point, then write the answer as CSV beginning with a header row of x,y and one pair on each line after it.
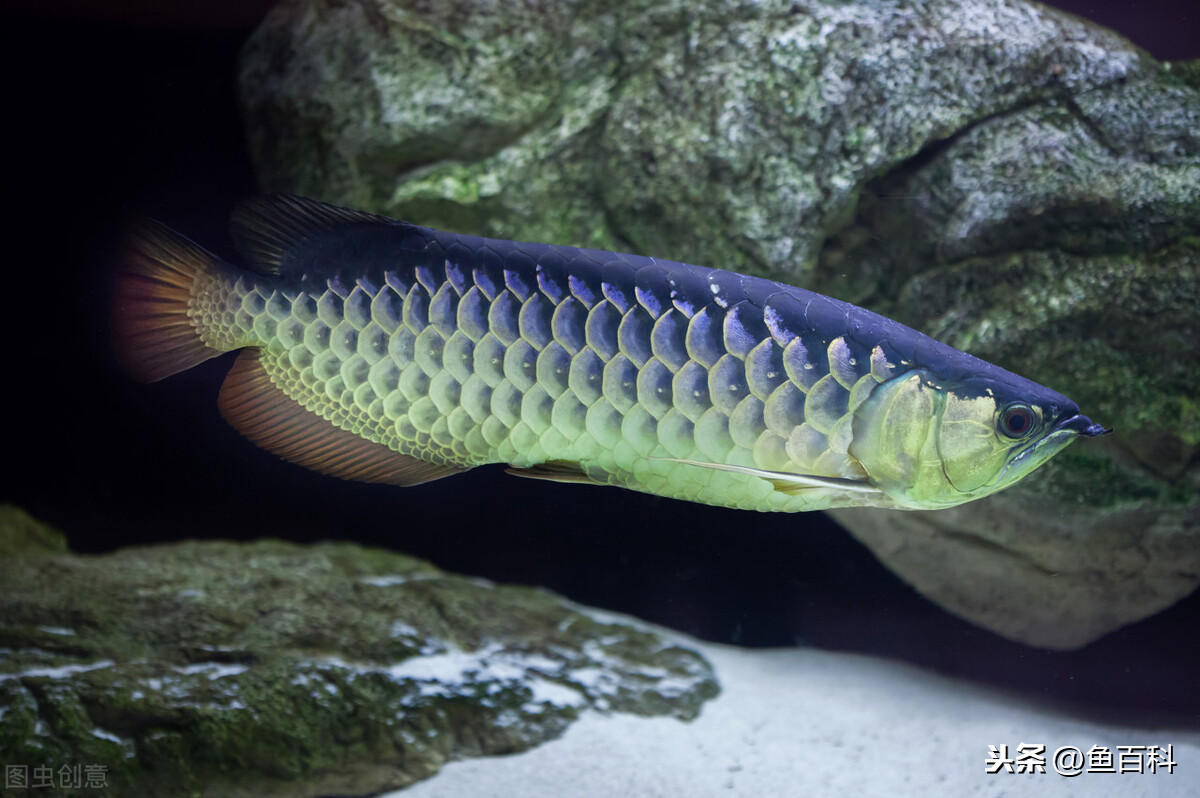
x,y
388,352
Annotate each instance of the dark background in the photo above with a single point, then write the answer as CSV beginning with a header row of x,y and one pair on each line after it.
x,y
112,109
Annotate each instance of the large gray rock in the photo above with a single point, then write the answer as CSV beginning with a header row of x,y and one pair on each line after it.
x,y
1013,180
269,668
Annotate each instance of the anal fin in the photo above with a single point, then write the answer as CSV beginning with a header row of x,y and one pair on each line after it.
x,y
555,471
256,407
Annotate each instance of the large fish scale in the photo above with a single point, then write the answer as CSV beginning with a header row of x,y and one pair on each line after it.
x,y
462,351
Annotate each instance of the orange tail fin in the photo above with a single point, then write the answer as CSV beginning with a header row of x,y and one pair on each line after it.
x,y
154,335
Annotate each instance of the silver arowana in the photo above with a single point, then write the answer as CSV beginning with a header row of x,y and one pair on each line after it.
x,y
382,351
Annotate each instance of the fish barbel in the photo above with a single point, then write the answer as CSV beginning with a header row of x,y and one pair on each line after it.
x,y
381,351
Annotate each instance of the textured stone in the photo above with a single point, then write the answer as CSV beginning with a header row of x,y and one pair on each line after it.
x,y
1010,179
1034,572
270,668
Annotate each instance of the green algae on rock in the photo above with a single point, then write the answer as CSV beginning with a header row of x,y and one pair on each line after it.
x,y
22,534
270,668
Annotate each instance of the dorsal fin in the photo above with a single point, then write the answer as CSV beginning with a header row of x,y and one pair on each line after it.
x,y
261,411
266,229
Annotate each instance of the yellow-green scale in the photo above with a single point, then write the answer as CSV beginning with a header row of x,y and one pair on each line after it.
x,y
468,379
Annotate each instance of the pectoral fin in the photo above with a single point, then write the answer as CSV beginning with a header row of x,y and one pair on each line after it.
x,y
785,482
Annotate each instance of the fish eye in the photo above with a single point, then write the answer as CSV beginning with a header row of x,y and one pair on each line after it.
x,y
1017,420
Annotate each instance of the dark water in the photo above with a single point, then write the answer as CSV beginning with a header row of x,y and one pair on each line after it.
x,y
115,109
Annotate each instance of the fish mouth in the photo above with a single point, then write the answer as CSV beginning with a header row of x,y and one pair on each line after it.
x,y
1041,450
1081,425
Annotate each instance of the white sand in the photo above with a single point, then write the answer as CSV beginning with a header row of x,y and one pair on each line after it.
x,y
815,723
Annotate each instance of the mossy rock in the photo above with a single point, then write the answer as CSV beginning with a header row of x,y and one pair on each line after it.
x,y
22,534
267,668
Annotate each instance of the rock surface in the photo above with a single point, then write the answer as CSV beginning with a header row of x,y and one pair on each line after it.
x,y
269,668
1010,179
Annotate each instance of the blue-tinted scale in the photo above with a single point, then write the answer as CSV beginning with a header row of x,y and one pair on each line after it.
x,y
743,328
601,329
533,321
633,335
279,306
520,266
786,309
443,309
551,268
668,339
473,313
705,340
463,262
843,365
393,280
503,318
329,308
652,288
416,308
618,283
431,279
894,342
487,267
357,307
688,288
816,347
386,308
764,368
583,290
457,277
568,323
550,287
518,283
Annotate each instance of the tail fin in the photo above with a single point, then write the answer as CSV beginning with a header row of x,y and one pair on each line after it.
x,y
154,336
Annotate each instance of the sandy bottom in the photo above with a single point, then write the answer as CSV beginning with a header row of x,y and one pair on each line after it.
x,y
816,723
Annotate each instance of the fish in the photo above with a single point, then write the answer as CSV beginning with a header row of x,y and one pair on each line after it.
x,y
382,351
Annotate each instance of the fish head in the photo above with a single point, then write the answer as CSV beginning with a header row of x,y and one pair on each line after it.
x,y
932,442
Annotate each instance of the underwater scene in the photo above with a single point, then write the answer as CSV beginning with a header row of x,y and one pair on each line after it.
x,y
602,398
